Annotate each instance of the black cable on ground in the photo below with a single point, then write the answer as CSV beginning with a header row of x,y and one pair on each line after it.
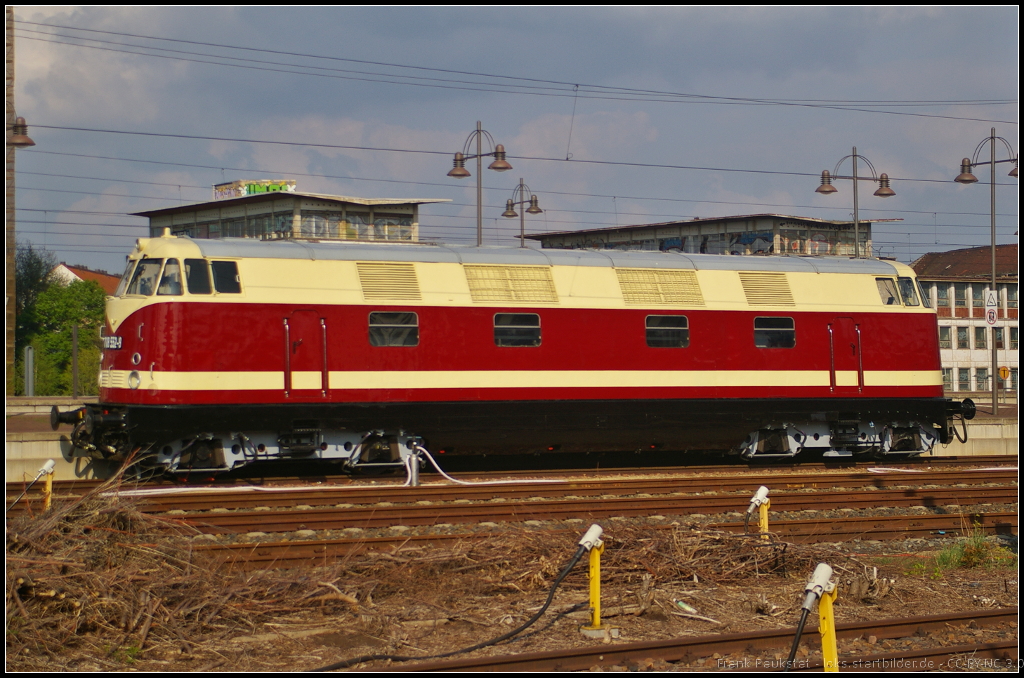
x,y
796,640
532,620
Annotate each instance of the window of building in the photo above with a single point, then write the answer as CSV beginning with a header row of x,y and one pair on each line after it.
x,y
947,378
1013,338
170,281
978,295
981,379
926,297
963,379
774,333
516,329
945,337
1011,296
197,276
960,295
668,331
145,278
394,329
909,292
1013,378
979,337
997,337
942,296
963,338
887,291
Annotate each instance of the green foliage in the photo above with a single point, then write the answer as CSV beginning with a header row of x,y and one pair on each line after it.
x,y
57,310
974,551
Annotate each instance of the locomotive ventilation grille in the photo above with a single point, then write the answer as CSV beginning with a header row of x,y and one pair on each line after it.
x,y
389,281
642,286
111,379
532,284
766,289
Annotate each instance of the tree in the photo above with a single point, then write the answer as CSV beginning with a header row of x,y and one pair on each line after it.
x,y
58,309
32,270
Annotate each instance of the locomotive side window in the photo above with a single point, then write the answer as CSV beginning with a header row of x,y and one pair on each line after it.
x,y
146,274
124,279
170,281
909,292
887,290
394,329
225,277
774,333
668,331
516,329
197,276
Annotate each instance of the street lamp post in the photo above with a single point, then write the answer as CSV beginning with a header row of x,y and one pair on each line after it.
x,y
459,170
520,192
966,177
883,191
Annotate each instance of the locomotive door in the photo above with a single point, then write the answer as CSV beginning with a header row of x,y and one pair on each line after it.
x,y
846,374
305,356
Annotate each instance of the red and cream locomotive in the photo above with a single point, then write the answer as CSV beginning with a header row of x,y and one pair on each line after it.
x,y
219,353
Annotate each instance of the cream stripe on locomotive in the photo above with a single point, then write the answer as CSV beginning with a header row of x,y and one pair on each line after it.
x,y
485,379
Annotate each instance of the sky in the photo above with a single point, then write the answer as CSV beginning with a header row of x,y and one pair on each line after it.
x,y
612,116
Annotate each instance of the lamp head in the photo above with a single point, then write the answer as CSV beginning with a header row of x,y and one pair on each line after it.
x,y
499,164
826,187
883,187
459,170
509,210
533,208
965,173
19,135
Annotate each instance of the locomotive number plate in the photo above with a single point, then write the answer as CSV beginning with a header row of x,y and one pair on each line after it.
x,y
111,343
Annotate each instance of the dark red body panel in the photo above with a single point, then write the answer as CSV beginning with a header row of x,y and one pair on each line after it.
x,y
207,337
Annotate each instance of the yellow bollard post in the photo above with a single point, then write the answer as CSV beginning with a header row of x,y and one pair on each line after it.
x,y
595,585
827,628
762,521
47,491
596,629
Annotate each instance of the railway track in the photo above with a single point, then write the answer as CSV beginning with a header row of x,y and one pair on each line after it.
x,y
385,514
167,498
83,486
750,645
283,554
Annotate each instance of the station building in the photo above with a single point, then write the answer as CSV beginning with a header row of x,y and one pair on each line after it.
x,y
745,234
956,283
270,210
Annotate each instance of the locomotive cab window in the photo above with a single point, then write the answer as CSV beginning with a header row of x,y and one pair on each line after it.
x,y
909,292
394,329
887,291
225,277
668,331
170,281
125,278
516,329
146,275
197,276
774,333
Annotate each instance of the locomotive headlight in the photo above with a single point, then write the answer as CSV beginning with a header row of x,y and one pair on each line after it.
x,y
134,380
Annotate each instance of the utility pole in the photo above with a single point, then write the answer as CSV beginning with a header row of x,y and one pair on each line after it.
x,y
16,137
10,116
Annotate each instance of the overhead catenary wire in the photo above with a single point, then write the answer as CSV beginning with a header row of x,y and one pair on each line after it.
x,y
591,91
220,168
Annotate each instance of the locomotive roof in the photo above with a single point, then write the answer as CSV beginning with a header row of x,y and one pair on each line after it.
x,y
362,251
